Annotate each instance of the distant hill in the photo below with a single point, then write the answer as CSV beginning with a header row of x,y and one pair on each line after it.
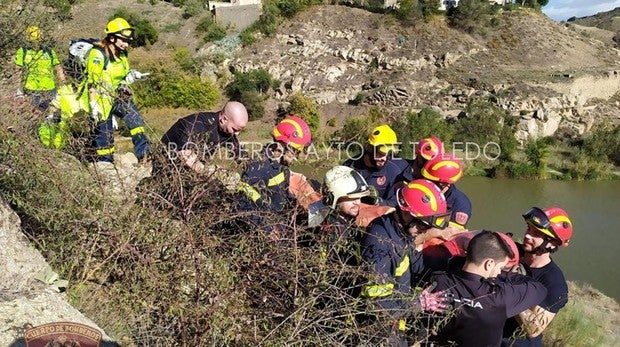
x,y
604,20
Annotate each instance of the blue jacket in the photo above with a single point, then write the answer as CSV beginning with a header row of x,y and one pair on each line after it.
x,y
481,306
265,184
383,179
460,205
395,266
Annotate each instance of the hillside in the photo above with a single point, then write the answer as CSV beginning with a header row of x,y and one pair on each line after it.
x,y
170,260
609,20
528,63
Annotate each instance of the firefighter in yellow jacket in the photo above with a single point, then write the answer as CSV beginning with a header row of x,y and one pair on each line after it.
x,y
37,63
107,92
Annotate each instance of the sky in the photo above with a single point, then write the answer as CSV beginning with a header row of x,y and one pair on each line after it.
x,y
560,10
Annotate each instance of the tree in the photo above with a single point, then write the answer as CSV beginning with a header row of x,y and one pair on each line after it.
x,y
470,15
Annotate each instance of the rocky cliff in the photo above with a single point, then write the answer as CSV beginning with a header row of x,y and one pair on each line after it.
x,y
550,76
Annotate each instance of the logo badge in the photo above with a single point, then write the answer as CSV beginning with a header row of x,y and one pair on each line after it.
x,y
461,218
62,334
381,181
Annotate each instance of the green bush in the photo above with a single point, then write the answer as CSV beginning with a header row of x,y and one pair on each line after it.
x,y
62,7
584,167
192,8
184,58
416,126
145,33
247,37
486,123
215,33
537,153
250,88
357,128
165,88
470,16
603,143
306,109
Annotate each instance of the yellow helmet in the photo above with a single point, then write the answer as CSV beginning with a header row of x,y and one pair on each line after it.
x,y
383,137
119,27
33,33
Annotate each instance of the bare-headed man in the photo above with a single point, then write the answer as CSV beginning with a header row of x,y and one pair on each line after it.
x,y
196,138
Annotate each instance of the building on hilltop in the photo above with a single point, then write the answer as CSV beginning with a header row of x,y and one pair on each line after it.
x,y
238,13
445,5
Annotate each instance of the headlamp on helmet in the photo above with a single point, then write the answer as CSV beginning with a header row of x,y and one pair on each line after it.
x,y
553,222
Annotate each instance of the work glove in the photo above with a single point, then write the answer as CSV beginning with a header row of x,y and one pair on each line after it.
x,y
114,123
433,302
124,92
53,117
95,112
134,75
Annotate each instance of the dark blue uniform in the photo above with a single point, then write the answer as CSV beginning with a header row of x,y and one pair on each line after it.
x,y
266,186
483,305
395,266
459,204
201,133
383,179
552,278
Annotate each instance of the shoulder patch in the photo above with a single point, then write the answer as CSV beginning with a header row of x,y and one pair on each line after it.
x,y
461,218
381,180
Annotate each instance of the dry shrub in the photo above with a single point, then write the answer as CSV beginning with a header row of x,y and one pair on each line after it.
x,y
177,264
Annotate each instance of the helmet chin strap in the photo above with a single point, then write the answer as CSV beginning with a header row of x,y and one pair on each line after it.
x,y
542,249
402,220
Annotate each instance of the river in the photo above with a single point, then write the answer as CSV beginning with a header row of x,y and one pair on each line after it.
x,y
593,207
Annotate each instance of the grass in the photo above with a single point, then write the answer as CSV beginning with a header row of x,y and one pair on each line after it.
x,y
589,319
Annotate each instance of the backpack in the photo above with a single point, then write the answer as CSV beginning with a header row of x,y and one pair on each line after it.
x,y
75,63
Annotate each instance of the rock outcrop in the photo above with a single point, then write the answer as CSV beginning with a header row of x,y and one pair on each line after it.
x,y
548,76
24,301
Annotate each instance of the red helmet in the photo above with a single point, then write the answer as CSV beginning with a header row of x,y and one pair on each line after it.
x,y
293,131
423,200
514,260
429,148
444,168
552,221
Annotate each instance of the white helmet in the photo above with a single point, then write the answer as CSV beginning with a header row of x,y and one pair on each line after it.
x,y
343,181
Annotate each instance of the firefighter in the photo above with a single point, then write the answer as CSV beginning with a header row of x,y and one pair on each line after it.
x,y
396,266
268,184
195,138
377,165
445,170
37,64
106,90
547,231
425,150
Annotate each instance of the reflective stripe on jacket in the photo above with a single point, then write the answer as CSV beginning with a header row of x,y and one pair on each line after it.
x,y
104,76
394,263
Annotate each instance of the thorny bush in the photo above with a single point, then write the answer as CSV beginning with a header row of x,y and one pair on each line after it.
x,y
175,263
